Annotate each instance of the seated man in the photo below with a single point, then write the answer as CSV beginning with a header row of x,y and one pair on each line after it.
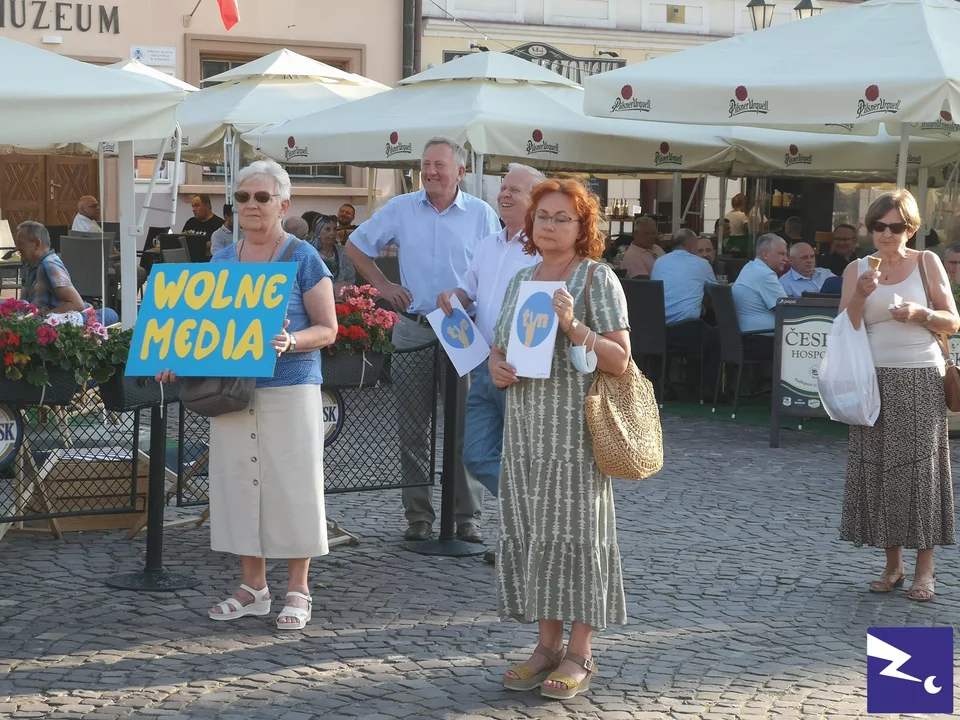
x,y
296,226
803,275
223,236
706,250
644,251
684,277
46,282
843,250
757,290
88,215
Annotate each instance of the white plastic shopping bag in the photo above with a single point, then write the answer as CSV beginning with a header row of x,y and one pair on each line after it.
x,y
847,378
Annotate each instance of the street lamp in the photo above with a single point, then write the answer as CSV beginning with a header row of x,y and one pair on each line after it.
x,y
807,8
761,14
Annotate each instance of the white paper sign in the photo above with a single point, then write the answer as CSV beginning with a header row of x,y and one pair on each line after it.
x,y
459,337
533,332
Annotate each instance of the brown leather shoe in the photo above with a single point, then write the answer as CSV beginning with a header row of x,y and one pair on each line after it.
x,y
418,531
469,532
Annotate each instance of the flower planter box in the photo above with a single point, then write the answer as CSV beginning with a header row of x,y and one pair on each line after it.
x,y
121,393
345,371
62,386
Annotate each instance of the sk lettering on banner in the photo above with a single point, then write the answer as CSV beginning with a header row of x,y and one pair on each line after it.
x,y
211,320
533,332
460,338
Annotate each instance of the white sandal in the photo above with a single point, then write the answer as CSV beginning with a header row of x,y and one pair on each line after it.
x,y
301,616
231,608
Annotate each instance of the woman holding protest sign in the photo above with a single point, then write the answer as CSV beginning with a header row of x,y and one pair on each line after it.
x,y
266,461
558,558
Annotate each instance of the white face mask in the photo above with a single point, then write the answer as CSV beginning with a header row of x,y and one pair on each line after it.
x,y
585,361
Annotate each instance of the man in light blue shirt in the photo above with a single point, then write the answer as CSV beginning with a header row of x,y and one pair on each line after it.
x,y
685,275
803,275
757,288
436,231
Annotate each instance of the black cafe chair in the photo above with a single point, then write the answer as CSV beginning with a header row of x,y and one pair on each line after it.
x,y
733,349
648,325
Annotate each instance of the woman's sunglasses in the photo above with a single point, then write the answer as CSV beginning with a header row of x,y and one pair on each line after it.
x,y
261,196
896,228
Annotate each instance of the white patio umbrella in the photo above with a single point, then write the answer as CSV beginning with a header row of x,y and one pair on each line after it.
x,y
135,66
882,61
502,108
51,99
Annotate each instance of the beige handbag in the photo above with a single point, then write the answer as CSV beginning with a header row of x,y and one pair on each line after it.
x,y
623,418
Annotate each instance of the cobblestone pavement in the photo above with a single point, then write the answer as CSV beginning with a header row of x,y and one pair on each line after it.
x,y
742,604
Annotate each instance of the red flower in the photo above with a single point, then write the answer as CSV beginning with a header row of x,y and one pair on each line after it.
x,y
46,334
8,359
11,338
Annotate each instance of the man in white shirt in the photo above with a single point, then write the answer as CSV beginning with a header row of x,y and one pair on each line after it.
x,y
436,231
496,260
88,215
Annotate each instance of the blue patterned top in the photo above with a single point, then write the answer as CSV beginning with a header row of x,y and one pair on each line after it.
x,y
293,368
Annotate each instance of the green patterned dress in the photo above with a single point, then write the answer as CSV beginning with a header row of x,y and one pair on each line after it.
x,y
558,557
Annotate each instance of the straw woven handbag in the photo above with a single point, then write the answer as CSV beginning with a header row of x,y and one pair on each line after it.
x,y
624,419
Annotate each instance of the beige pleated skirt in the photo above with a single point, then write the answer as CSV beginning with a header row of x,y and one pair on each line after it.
x,y
266,476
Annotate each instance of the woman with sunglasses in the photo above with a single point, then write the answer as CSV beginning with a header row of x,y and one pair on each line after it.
x,y
266,461
899,493
333,254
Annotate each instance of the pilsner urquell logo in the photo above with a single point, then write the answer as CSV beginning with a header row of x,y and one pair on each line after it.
x,y
793,156
536,145
943,124
871,103
665,157
627,102
742,103
293,150
395,147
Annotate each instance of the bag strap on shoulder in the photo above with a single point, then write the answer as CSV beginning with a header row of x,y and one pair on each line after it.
x,y
291,249
941,338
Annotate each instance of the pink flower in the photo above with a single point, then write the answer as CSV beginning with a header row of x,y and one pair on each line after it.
x,y
46,334
52,320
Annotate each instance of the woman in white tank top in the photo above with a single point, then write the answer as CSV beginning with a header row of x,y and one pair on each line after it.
x,y
898,489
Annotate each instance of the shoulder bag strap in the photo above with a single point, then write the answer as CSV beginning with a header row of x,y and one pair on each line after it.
x,y
941,338
291,249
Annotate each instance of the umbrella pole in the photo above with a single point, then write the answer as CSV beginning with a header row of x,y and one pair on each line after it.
x,y
724,179
903,157
675,210
922,202
478,175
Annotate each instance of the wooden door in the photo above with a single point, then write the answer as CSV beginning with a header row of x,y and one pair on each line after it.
x,y
23,181
67,180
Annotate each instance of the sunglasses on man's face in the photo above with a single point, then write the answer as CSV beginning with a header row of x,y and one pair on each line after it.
x,y
261,196
896,228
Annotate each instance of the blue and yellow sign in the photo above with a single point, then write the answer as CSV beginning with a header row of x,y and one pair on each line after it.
x,y
535,319
211,320
458,329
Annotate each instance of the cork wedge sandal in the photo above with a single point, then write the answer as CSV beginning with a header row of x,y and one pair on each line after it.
x,y
572,687
526,678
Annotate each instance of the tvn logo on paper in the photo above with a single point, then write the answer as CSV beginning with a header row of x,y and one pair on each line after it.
x,y
910,670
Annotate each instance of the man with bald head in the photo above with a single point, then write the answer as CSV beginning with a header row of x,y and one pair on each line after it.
x,y
643,251
296,226
88,215
803,275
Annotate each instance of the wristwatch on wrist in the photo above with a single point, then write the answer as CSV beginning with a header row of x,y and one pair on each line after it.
x,y
293,343
574,324
929,317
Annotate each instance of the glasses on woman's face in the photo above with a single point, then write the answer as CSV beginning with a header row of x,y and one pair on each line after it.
x,y
559,221
261,196
896,228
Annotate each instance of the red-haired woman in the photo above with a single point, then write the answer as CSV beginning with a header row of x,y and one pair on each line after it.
x,y
558,559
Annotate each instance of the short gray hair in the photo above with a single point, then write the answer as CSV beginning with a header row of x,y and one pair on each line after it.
x,y
35,231
953,248
682,237
459,152
795,248
266,170
535,175
767,241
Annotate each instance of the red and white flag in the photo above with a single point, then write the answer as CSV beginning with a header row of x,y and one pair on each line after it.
x,y
230,12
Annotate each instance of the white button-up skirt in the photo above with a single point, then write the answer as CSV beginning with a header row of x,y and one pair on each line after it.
x,y
266,476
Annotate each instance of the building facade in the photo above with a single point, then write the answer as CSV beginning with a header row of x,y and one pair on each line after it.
x,y
187,39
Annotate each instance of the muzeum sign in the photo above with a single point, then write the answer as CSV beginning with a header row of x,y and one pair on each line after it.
x,y
60,16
